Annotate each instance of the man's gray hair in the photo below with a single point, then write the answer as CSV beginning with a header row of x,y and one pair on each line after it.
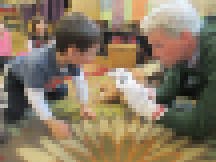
x,y
174,17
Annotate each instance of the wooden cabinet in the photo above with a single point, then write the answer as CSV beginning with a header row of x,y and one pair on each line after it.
x,y
122,55
119,55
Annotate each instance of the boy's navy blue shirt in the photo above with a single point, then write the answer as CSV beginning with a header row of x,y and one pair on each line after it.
x,y
36,69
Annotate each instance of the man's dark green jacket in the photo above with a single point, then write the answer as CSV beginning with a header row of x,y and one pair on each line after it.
x,y
198,84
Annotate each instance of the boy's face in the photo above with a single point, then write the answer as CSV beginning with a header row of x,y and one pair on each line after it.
x,y
1,27
77,57
40,28
171,49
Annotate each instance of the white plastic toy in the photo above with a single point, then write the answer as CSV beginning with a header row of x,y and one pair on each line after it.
x,y
140,99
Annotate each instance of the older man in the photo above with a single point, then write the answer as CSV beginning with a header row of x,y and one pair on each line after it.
x,y
187,49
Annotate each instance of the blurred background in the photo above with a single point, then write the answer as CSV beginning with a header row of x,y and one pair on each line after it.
x,y
110,14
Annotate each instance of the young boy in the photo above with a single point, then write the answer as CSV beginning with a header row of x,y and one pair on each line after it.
x,y
77,41
39,34
187,51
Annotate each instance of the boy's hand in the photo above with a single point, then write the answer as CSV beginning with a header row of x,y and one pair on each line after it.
x,y
58,128
86,112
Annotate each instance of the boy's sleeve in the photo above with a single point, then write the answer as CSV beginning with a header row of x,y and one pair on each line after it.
x,y
81,87
39,104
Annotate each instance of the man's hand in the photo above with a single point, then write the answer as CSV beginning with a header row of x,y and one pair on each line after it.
x,y
86,112
59,129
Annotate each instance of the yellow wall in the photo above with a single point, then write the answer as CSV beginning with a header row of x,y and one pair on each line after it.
x,y
90,8
19,42
19,1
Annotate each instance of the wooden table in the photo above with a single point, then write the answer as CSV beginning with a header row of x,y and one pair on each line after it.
x,y
114,140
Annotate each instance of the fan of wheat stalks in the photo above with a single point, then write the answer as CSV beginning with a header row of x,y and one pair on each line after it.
x,y
116,140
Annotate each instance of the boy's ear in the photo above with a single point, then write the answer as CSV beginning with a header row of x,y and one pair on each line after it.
x,y
188,37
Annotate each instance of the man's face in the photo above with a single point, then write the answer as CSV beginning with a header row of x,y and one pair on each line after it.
x,y
86,57
171,49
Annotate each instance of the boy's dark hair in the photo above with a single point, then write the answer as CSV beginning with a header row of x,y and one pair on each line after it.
x,y
77,30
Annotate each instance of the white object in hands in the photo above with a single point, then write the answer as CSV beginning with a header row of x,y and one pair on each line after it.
x,y
81,87
136,94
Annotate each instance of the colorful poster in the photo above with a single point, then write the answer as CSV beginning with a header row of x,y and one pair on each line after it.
x,y
128,9
106,10
117,12
7,8
139,9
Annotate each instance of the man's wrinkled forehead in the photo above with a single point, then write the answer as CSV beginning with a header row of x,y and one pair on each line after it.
x,y
164,32
160,34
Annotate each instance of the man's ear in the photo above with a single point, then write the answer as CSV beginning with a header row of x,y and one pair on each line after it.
x,y
186,35
188,40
